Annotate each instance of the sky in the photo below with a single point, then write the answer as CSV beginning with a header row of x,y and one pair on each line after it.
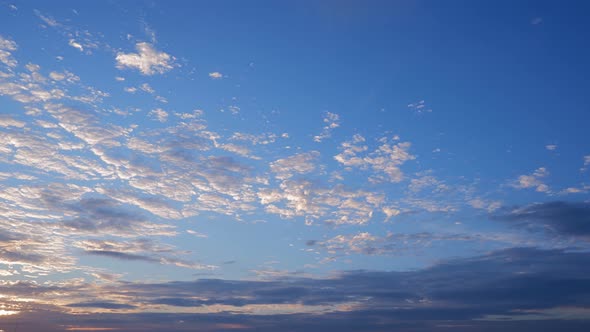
x,y
347,165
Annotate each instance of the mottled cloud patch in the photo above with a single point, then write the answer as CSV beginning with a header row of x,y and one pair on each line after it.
x,y
8,121
7,46
331,122
484,204
385,160
333,205
392,244
534,180
147,60
159,114
300,163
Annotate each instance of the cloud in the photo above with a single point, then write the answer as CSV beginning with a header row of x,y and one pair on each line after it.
x,y
147,88
147,60
300,163
557,218
122,255
502,287
7,46
215,75
551,147
533,180
426,181
256,139
76,45
419,107
333,205
391,244
480,203
197,234
50,21
101,305
159,114
385,160
8,121
332,121
64,76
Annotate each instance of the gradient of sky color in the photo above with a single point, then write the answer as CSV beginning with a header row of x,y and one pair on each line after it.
x,y
294,166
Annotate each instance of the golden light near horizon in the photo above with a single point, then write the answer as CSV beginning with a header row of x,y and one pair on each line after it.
x,y
4,312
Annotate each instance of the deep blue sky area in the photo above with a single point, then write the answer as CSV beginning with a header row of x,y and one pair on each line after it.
x,y
294,166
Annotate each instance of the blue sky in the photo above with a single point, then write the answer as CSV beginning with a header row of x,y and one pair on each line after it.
x,y
324,165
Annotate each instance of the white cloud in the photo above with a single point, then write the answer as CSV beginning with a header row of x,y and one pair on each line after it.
x,y
147,60
490,206
147,88
76,45
332,121
6,121
159,114
390,212
576,190
47,19
297,164
33,67
216,75
533,180
551,147
426,181
237,149
197,234
355,243
419,107
263,139
234,109
385,160
6,47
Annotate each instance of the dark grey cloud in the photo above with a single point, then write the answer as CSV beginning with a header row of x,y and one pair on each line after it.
x,y
520,278
122,255
559,218
455,295
102,305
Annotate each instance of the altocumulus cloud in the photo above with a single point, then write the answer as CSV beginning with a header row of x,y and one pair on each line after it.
x,y
147,60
